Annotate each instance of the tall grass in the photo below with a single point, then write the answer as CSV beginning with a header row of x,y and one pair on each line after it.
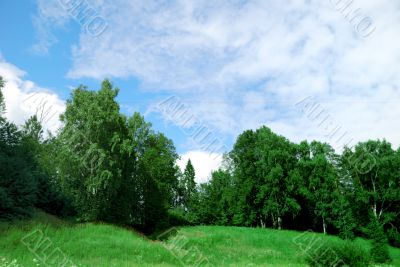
x,y
106,245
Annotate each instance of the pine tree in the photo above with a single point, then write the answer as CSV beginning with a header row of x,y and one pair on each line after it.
x,y
189,185
18,187
380,249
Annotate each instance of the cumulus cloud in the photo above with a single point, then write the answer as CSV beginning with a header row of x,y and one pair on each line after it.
x,y
243,64
203,162
49,16
24,98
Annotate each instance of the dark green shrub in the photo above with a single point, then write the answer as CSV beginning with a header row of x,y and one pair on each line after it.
x,y
177,218
17,188
336,254
379,251
393,237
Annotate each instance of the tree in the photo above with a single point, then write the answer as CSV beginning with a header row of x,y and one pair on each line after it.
x,y
115,168
42,153
157,170
245,181
149,176
376,188
265,183
18,187
220,197
215,204
188,185
379,250
371,175
279,188
90,141
33,130
2,101
322,182
344,218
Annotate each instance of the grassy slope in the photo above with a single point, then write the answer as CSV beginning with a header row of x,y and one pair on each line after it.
x,y
237,246
105,245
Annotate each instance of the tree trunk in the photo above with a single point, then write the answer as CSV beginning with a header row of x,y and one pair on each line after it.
x,y
279,223
273,222
374,205
324,225
374,210
262,223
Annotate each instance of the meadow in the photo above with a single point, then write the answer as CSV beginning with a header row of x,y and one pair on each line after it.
x,y
48,241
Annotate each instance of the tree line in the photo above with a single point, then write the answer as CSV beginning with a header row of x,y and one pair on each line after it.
x,y
102,165
268,181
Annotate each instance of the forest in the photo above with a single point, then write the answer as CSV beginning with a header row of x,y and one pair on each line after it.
x,y
104,166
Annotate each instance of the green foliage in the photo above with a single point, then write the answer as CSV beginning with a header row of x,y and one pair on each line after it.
x,y
41,151
157,175
24,183
105,166
176,217
269,181
114,168
338,254
188,186
372,172
88,143
317,168
344,220
264,184
394,237
17,188
216,199
379,251
18,184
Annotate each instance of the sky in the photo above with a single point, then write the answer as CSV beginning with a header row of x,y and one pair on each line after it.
x,y
202,72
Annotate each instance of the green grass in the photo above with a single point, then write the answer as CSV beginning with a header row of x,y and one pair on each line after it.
x,y
106,245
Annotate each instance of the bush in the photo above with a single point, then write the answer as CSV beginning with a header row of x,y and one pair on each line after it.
x,y
393,237
51,199
337,254
346,223
17,188
177,218
379,250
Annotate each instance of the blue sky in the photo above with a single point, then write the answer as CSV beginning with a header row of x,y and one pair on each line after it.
x,y
234,65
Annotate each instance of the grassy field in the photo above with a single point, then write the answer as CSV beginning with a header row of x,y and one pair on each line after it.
x,y
47,241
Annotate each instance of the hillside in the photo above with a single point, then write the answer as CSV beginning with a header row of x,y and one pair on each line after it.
x,y
106,245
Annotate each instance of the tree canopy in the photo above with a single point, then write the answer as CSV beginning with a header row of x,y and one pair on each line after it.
x,y
102,165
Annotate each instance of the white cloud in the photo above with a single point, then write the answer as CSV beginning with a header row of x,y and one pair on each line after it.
x,y
241,64
24,98
50,15
203,162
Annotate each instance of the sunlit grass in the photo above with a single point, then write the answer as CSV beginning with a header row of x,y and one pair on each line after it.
x,y
106,245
